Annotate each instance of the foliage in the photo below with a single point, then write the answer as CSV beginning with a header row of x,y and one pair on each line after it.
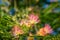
x,y
25,19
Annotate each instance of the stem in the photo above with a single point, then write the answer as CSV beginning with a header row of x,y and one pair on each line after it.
x,y
36,28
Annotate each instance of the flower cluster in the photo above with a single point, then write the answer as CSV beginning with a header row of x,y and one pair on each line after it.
x,y
45,30
16,31
25,22
31,20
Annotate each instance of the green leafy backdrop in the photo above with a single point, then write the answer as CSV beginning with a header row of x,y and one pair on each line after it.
x,y
46,15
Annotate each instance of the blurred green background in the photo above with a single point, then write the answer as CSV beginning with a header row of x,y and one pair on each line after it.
x,y
11,11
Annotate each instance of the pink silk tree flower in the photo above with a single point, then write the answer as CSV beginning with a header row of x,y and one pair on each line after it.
x,y
33,18
48,28
16,31
22,22
25,22
41,32
45,30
